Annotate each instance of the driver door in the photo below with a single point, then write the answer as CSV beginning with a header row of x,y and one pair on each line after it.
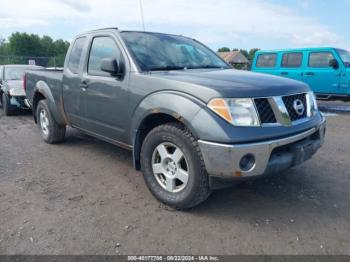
x,y
105,96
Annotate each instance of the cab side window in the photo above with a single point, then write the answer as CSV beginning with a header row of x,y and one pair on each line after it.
x,y
76,54
320,59
266,60
101,48
292,60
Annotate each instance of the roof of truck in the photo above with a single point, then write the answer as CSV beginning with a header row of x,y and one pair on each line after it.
x,y
124,31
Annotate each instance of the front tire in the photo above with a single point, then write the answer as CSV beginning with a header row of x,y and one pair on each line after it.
x,y
9,110
51,132
173,166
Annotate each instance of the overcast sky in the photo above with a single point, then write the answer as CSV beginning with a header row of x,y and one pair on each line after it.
x,y
234,23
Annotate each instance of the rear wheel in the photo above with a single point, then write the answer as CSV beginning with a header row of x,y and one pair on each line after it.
x,y
51,132
8,108
173,167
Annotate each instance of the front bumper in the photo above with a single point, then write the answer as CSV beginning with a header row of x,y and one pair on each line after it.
x,y
18,101
222,160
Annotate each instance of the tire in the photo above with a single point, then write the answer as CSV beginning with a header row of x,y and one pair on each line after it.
x,y
176,140
9,110
51,132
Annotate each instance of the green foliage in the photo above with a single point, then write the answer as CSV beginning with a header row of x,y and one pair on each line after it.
x,y
224,49
22,46
244,52
252,53
248,54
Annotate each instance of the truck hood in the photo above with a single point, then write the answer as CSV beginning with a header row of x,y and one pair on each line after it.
x,y
235,83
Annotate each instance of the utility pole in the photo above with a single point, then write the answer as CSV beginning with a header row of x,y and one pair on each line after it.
x,y
142,16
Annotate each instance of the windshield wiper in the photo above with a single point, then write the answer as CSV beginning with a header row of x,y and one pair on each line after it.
x,y
166,68
204,66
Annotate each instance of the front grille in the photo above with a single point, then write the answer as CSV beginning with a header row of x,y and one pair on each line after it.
x,y
267,115
265,111
289,100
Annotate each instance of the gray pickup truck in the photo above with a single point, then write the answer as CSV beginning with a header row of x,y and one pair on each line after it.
x,y
190,120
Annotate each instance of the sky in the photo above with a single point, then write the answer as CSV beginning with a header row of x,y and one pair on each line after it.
x,y
265,24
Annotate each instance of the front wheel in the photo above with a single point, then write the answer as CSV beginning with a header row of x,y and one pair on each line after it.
x,y
51,132
9,110
173,167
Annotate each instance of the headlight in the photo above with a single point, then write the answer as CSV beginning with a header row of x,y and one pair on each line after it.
x,y
16,92
313,107
237,111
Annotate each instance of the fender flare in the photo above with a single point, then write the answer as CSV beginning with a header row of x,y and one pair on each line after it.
x,y
183,108
56,109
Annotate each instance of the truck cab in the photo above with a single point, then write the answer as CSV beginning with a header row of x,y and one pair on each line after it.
x,y
325,70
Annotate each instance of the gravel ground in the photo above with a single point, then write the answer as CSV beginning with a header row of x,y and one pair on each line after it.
x,y
83,197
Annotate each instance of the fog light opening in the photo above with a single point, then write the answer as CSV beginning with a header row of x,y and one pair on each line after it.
x,y
247,163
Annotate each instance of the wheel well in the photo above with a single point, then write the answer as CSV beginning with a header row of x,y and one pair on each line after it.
x,y
37,97
149,123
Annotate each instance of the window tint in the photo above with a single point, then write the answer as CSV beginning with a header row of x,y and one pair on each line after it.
x,y
320,59
266,60
292,60
101,48
75,55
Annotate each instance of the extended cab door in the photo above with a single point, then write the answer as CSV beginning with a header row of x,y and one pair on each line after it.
x,y
105,96
71,83
291,65
322,78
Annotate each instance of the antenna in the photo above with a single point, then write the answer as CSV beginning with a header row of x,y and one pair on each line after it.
x,y
142,16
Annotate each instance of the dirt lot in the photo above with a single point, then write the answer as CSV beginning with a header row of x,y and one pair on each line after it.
x,y
83,197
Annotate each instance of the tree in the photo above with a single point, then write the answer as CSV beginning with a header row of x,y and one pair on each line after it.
x,y
244,52
60,47
252,53
47,46
224,49
4,47
23,44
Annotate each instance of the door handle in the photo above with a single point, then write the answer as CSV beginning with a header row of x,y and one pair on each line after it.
x,y
84,85
310,74
284,73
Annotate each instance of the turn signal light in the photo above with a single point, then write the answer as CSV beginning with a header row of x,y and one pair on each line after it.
x,y
220,107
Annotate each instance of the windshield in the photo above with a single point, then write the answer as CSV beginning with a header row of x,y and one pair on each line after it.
x,y
14,73
345,56
153,51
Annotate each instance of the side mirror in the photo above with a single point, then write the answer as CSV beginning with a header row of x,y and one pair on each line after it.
x,y
110,65
334,63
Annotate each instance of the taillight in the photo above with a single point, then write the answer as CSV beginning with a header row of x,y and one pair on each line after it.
x,y
24,81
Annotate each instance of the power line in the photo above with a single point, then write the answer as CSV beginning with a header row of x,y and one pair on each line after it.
x,y
142,16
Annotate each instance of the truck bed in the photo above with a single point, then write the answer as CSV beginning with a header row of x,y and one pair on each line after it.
x,y
51,78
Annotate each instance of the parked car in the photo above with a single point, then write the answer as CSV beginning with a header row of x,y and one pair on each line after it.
x,y
325,70
189,119
12,94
